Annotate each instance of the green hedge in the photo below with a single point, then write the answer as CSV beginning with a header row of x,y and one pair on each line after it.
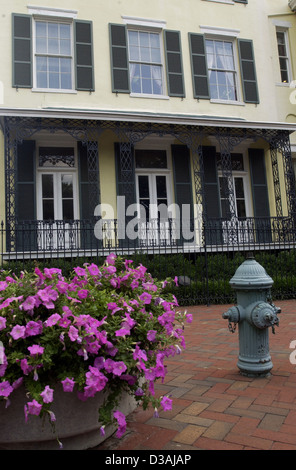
x,y
209,273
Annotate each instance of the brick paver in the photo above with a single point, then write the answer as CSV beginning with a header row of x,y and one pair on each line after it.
x,y
214,406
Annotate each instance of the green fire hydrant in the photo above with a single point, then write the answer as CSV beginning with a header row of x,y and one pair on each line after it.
x,y
255,314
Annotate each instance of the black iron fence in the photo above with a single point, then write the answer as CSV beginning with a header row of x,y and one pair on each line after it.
x,y
200,255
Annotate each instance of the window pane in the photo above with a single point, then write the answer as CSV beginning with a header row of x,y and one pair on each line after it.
x,y
53,46
41,45
65,31
65,47
143,187
54,81
68,210
53,64
53,30
48,210
161,187
67,186
47,186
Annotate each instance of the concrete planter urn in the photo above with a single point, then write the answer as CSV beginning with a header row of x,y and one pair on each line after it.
x,y
76,425
103,331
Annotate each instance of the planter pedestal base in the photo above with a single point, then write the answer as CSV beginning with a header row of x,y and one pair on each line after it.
x,y
76,425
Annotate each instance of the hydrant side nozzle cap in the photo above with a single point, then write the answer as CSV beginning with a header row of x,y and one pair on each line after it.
x,y
250,273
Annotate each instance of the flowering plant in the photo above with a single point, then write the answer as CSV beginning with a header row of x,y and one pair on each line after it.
x,y
108,327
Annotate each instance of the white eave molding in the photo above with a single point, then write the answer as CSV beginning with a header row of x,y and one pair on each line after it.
x,y
156,118
292,5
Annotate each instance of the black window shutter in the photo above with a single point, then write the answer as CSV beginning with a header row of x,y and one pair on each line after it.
x,y
126,187
259,183
241,1
260,195
248,71
119,59
22,51
174,64
25,194
213,222
199,66
211,185
26,233
87,186
84,55
183,186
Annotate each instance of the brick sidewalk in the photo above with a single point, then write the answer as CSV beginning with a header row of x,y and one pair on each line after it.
x,y
214,407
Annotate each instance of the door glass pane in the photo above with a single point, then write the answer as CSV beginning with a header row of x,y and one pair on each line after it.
x,y
67,197
143,187
144,194
240,197
68,210
67,186
48,209
161,188
47,197
47,186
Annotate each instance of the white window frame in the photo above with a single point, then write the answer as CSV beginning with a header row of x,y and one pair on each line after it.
x,y
53,170
216,33
53,15
152,26
285,32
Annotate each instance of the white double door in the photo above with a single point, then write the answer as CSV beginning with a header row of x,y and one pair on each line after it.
x,y
57,209
153,194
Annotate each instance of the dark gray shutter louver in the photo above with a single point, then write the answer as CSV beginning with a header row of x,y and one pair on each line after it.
x,y
119,59
260,195
22,51
126,187
248,71
174,65
26,233
199,66
212,208
89,193
84,55
183,188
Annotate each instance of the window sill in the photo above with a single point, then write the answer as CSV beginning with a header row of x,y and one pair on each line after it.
x,y
229,2
235,103
285,85
142,95
52,90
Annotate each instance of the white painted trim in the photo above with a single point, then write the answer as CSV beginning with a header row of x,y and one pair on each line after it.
x,y
147,23
130,116
228,2
48,11
216,30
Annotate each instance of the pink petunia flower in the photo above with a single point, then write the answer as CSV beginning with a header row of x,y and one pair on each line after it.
x,y
35,349
5,389
52,320
18,331
47,394
166,403
68,384
2,323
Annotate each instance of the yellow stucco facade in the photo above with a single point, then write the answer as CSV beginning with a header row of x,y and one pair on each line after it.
x,y
225,21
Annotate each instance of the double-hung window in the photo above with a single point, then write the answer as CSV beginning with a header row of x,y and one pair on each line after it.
x,y
53,55
221,70
283,53
145,62
146,59
223,66
52,51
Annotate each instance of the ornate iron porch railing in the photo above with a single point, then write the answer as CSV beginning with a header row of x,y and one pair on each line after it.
x,y
58,238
